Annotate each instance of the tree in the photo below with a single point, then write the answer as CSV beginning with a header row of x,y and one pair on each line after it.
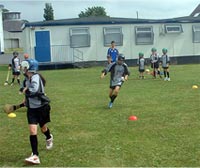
x,y
93,11
48,12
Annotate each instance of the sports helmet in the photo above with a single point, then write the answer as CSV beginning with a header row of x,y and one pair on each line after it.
x,y
30,64
153,49
15,53
164,50
141,54
121,57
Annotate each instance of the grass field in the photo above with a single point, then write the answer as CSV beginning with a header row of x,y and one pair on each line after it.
x,y
88,134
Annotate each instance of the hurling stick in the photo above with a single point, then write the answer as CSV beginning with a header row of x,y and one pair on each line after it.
x,y
7,77
8,108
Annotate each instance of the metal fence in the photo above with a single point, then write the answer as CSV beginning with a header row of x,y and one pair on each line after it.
x,y
63,53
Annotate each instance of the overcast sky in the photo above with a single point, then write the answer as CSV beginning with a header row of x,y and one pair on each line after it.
x,y
33,10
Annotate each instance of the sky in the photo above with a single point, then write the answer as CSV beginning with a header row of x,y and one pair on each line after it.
x,y
33,10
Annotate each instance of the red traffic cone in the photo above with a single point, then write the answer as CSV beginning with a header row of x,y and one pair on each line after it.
x,y
133,118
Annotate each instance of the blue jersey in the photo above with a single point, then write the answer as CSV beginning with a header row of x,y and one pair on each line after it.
x,y
113,53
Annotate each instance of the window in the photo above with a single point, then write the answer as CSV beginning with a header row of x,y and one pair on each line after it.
x,y
79,37
11,43
144,35
196,34
173,28
113,34
14,43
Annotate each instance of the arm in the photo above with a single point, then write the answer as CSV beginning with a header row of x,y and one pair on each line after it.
x,y
32,89
126,72
106,70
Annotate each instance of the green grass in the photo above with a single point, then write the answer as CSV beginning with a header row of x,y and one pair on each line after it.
x,y
88,134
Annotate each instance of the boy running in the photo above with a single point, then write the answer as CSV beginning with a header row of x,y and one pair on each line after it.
x,y
165,60
118,74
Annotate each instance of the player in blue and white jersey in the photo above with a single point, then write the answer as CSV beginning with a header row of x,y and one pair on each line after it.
x,y
112,52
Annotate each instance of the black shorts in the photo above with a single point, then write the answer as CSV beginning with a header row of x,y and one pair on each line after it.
x,y
39,116
155,65
16,73
113,87
165,67
141,70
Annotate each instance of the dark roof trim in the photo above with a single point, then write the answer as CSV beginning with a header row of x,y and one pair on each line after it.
x,y
107,20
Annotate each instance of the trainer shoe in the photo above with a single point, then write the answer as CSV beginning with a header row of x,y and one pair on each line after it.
x,y
49,142
110,104
33,159
165,79
168,79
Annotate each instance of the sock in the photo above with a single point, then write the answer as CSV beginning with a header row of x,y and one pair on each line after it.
x,y
22,105
154,73
34,144
164,73
13,79
47,134
113,97
168,74
158,72
18,81
14,107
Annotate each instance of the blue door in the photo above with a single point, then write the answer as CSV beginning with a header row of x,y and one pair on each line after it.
x,y
42,48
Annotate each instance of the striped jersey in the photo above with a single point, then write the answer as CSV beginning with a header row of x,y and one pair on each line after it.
x,y
15,64
141,63
165,60
154,58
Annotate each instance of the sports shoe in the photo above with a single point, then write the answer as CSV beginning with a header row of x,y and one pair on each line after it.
x,y
168,79
49,142
33,159
110,104
165,79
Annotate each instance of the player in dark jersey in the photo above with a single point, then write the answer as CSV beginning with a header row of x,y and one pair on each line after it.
x,y
119,72
37,111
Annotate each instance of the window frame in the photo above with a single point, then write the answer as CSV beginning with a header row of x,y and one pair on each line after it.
x,y
195,31
86,32
167,26
107,31
140,32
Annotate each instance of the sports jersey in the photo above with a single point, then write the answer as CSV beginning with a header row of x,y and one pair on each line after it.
x,y
154,58
165,60
117,71
15,64
34,86
141,63
113,53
